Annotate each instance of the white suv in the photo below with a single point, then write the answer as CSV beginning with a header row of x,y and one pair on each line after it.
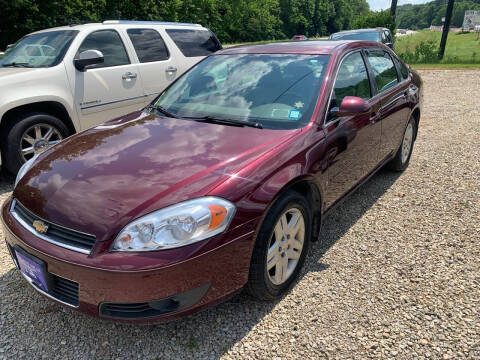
x,y
59,81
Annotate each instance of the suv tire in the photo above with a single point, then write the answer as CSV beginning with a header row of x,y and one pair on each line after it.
x,y
12,140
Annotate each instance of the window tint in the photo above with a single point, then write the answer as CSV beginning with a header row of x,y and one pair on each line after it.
x,y
403,70
148,44
194,42
352,80
111,46
383,70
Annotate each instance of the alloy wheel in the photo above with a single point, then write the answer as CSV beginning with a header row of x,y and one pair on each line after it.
x,y
38,138
285,246
407,142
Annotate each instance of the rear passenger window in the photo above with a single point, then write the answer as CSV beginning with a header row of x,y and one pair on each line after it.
x,y
383,70
111,46
194,42
352,79
403,70
148,44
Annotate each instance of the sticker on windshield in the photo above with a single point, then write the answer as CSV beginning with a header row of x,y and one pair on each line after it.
x,y
294,114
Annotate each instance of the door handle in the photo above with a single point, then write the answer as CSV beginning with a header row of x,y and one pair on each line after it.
x,y
129,75
373,117
171,69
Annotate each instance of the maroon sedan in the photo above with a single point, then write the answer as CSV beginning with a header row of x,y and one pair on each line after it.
x,y
220,184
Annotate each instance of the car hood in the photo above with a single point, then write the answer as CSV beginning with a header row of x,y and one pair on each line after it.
x,y
100,180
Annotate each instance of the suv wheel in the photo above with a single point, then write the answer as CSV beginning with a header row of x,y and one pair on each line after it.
x,y
30,134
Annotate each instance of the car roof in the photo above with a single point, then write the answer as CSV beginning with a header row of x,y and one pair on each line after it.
x,y
311,47
122,22
361,30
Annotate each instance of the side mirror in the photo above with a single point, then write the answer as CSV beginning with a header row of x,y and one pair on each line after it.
x,y
351,105
88,58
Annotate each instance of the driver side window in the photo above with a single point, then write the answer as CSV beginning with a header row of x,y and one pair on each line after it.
x,y
111,46
352,80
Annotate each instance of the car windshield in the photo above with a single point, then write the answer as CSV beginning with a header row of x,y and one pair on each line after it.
x,y
362,35
277,91
39,50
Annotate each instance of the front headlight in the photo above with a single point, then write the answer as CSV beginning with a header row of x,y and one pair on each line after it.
x,y
177,225
25,167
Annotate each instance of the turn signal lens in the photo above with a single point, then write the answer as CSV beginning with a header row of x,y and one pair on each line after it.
x,y
217,214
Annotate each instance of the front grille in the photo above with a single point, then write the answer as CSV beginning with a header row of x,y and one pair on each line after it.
x,y
64,290
70,239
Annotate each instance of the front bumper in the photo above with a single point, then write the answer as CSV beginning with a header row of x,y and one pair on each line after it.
x,y
172,291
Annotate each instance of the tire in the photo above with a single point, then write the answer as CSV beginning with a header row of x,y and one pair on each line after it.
x,y
402,157
261,283
12,141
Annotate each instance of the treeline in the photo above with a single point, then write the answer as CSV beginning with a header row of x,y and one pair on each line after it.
x,y
231,20
422,16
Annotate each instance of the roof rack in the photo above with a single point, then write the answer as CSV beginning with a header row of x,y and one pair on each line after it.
x,y
135,22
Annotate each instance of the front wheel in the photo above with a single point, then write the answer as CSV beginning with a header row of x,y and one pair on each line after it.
x,y
402,157
281,247
29,135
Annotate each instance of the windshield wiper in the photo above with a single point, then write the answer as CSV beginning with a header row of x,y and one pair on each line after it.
x,y
217,120
17,64
163,111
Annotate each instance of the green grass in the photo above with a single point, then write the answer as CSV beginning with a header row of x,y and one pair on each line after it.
x,y
461,48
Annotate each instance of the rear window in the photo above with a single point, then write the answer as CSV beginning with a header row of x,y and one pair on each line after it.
x,y
362,35
194,42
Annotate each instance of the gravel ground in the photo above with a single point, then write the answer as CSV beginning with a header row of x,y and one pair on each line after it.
x,y
396,274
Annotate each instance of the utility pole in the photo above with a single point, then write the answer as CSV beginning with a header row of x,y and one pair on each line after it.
x,y
446,28
393,12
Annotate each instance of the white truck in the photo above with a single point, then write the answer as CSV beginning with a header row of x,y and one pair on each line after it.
x,y
56,82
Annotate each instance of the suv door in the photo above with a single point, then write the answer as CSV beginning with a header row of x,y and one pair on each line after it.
x,y
157,65
352,141
393,96
108,90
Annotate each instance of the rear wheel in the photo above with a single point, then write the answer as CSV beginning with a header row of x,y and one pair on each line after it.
x,y
402,157
30,134
281,247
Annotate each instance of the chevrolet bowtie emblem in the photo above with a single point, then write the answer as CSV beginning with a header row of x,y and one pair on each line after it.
x,y
40,226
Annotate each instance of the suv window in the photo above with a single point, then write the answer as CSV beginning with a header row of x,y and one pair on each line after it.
x,y
194,42
148,44
352,80
383,70
111,46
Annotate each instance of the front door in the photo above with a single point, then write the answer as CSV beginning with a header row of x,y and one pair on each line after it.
x,y
353,141
107,90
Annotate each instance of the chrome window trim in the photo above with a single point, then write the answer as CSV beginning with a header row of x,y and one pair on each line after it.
x,y
46,293
43,237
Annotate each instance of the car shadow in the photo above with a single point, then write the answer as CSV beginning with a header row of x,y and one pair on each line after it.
x,y
208,334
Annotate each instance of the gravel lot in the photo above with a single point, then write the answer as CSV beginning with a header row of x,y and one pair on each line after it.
x,y
396,274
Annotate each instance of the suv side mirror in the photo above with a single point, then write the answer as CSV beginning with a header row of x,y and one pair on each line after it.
x,y
351,105
88,58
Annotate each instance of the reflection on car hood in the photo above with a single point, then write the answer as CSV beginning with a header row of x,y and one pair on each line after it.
x,y
101,179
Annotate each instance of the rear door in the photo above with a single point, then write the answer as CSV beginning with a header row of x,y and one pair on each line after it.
x,y
158,65
392,92
353,141
107,90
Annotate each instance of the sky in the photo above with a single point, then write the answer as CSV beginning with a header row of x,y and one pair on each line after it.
x,y
384,4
